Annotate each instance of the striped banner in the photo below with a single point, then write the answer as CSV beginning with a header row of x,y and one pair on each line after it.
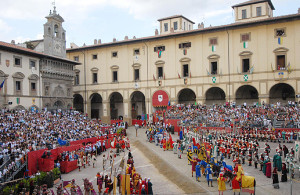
x,y
245,44
213,48
279,40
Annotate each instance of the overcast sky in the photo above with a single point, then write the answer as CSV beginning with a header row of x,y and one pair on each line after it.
x,y
86,20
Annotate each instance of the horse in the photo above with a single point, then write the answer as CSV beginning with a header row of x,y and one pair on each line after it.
x,y
229,175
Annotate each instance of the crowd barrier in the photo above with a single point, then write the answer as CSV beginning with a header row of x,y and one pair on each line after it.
x,y
68,166
34,157
139,122
112,122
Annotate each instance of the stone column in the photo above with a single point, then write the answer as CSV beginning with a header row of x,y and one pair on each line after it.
x,y
264,98
106,112
127,111
88,107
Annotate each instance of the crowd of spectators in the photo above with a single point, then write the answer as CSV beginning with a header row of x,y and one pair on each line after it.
x,y
253,116
24,131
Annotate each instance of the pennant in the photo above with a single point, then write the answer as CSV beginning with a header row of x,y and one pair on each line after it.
x,y
279,40
213,48
169,103
18,100
2,84
195,103
159,53
245,44
66,184
179,75
184,52
154,78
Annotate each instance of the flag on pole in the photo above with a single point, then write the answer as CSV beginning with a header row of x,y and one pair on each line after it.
x,y
245,44
2,84
213,48
154,78
178,75
190,74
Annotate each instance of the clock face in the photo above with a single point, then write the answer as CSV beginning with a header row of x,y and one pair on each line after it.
x,y
57,47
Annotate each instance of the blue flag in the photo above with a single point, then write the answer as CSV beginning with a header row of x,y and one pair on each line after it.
x,y
2,84
61,142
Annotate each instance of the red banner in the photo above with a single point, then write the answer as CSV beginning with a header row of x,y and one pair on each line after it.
x,y
160,99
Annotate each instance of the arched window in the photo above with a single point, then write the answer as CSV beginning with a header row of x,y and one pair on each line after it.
x,y
56,30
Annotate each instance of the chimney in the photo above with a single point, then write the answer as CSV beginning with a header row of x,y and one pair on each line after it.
x,y
156,32
201,26
99,41
13,42
172,30
126,38
134,37
84,44
114,40
95,41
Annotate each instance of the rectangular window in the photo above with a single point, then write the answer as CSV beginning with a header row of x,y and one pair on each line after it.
x,y
214,67
76,58
246,65
95,56
95,78
279,32
258,11
77,79
136,52
185,70
281,62
185,45
245,37
32,64
114,54
33,86
18,85
17,61
213,41
160,72
175,24
136,74
244,14
159,48
115,76
166,27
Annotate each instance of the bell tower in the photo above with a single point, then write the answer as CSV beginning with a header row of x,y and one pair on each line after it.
x,y
54,35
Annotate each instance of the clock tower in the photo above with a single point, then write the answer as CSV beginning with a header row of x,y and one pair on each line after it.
x,y
54,35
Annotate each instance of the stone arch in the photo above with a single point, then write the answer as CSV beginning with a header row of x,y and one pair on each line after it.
x,y
58,104
96,105
246,94
78,102
282,92
116,106
215,95
186,96
138,105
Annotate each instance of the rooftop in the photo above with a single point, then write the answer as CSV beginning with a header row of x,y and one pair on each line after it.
x,y
236,25
26,51
175,16
254,2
